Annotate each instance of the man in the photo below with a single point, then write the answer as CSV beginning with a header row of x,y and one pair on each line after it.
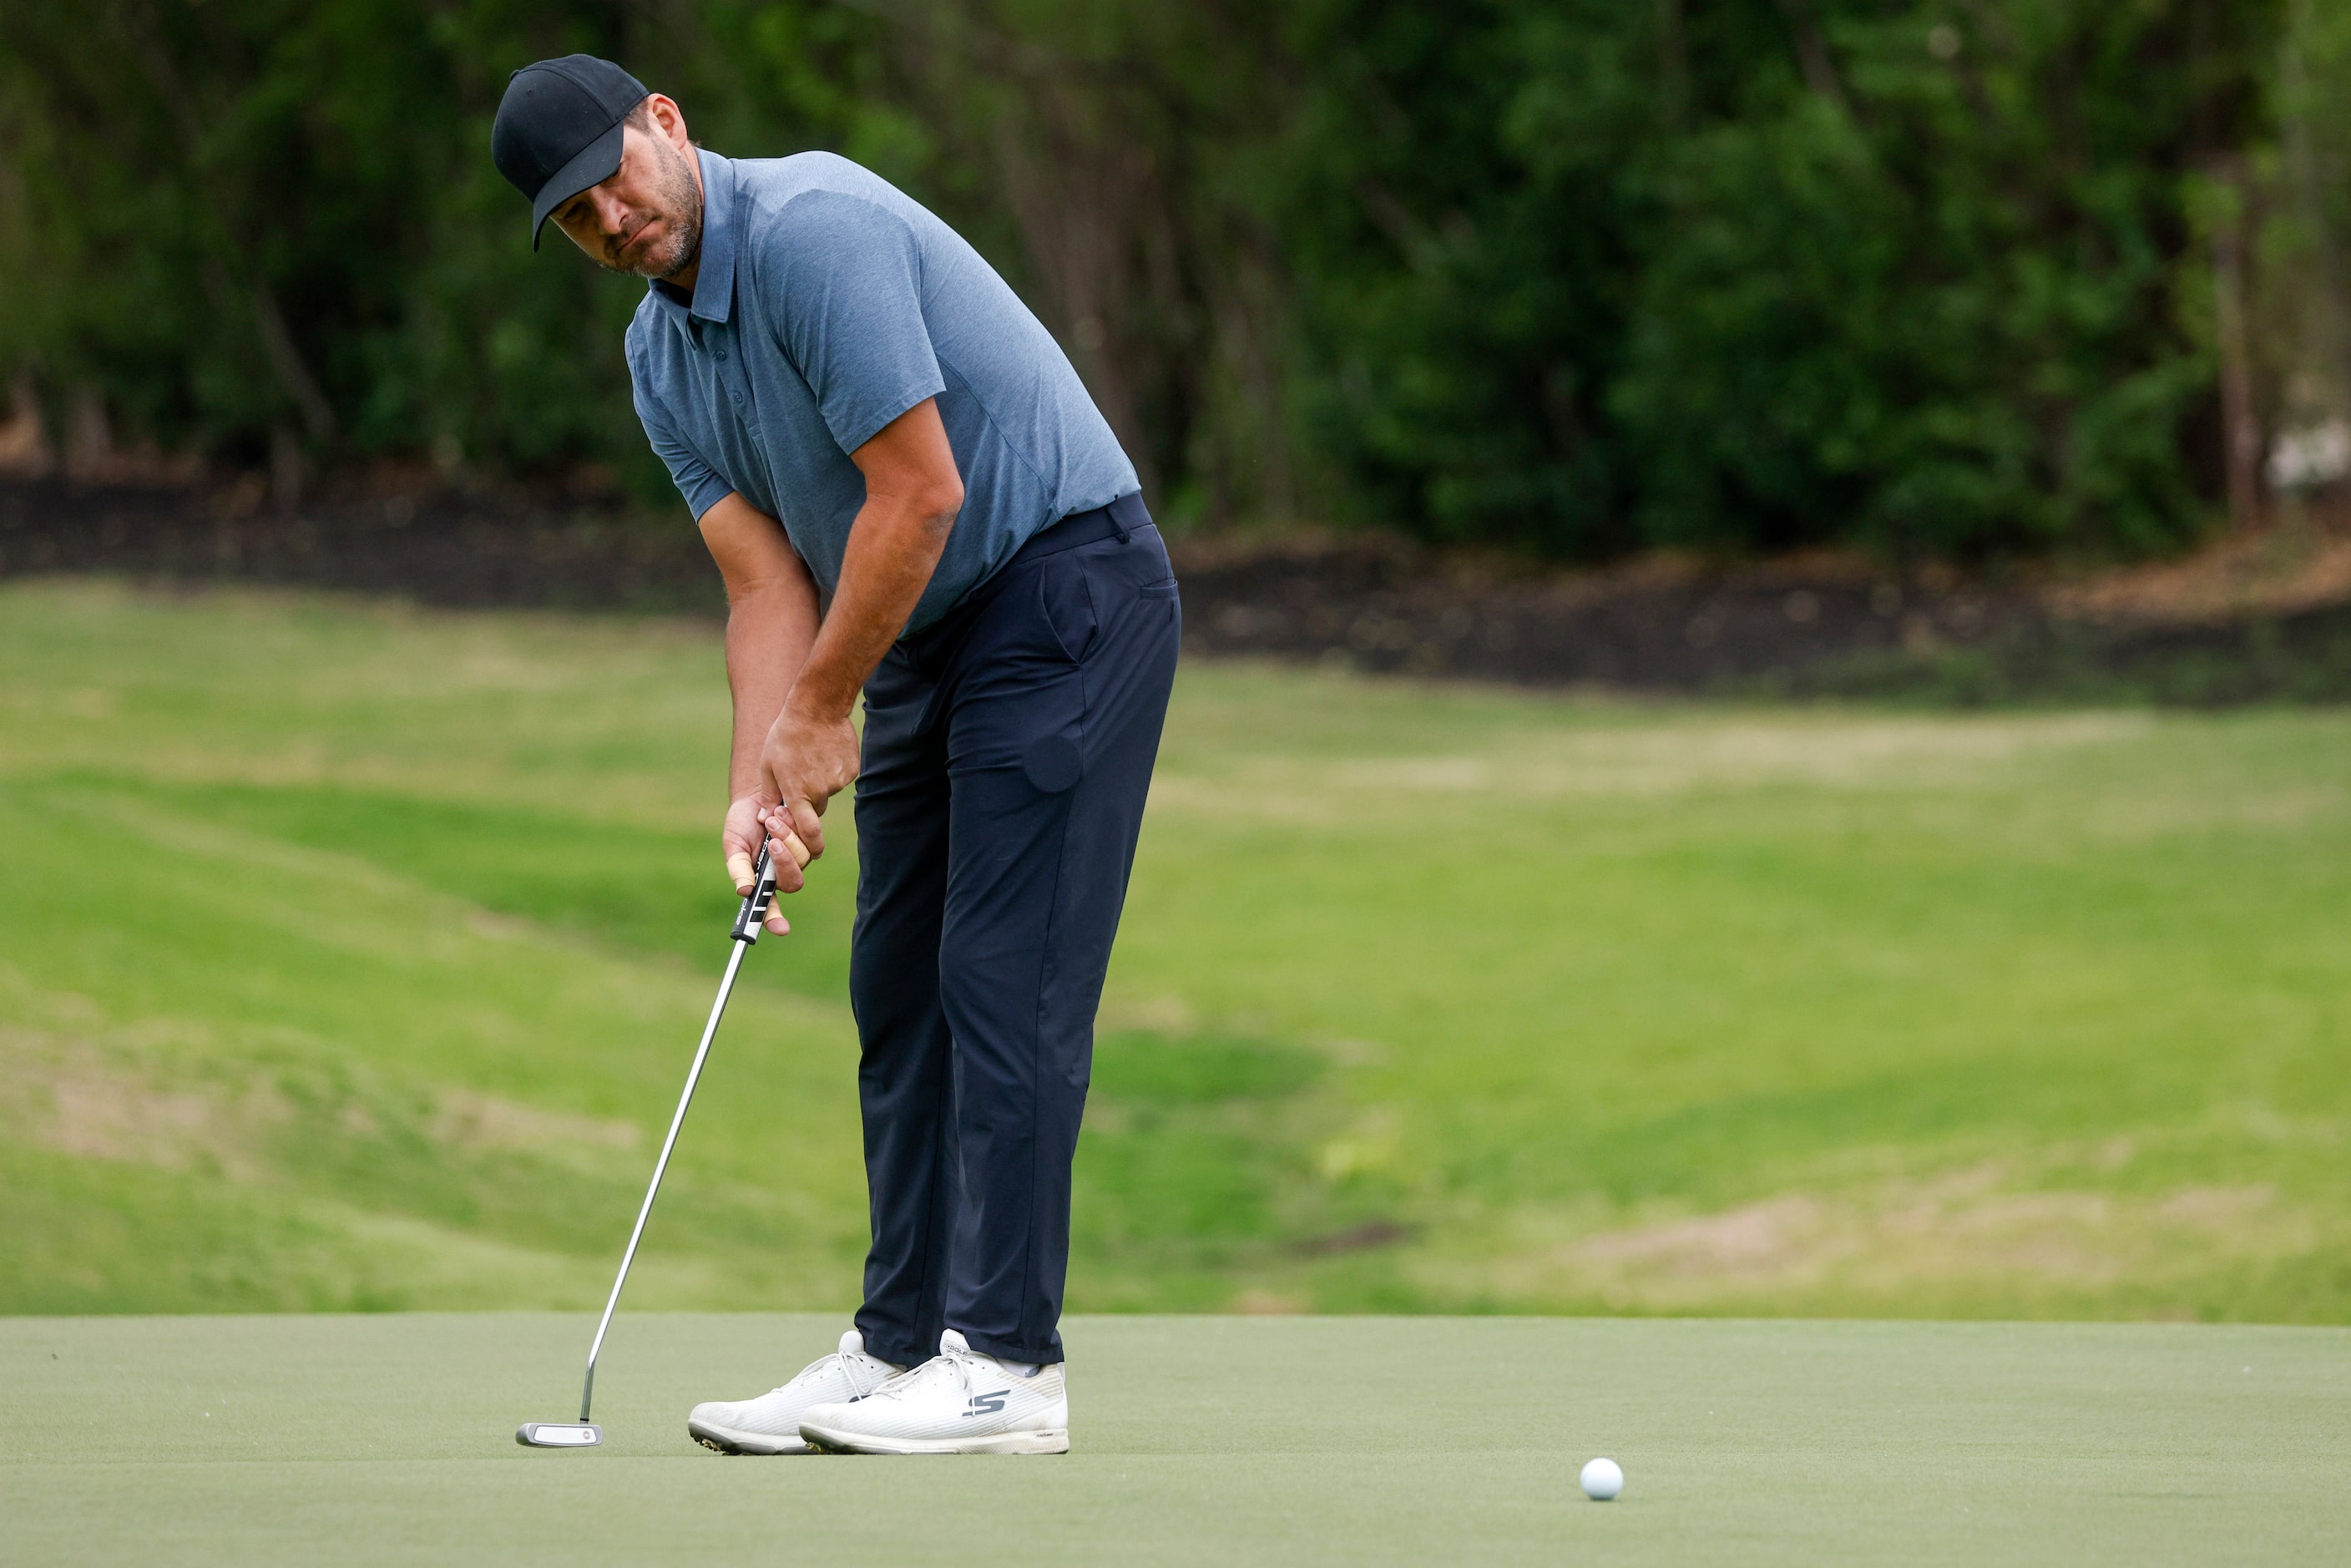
x,y
908,491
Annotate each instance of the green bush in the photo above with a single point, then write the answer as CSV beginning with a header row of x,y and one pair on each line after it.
x,y
1912,276
1924,276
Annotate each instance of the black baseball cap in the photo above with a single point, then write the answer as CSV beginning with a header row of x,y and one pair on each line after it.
x,y
558,129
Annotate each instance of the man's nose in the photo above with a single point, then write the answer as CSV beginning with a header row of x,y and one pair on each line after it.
x,y
611,213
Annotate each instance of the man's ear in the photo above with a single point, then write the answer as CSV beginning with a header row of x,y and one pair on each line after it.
x,y
670,119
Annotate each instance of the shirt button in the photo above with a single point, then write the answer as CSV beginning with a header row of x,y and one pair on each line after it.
x,y
722,353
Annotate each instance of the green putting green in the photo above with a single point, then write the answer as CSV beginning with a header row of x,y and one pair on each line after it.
x,y
388,1438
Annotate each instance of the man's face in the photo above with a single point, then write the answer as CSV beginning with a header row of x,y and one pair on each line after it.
x,y
646,219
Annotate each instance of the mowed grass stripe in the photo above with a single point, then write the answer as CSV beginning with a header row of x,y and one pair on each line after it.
x,y
383,1074
1428,997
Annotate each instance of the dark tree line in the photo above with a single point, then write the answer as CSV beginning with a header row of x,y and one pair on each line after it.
x,y
1935,276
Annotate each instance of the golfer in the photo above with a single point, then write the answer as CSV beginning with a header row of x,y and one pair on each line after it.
x,y
908,492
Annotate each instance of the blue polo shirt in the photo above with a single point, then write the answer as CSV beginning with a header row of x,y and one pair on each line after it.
x,y
828,304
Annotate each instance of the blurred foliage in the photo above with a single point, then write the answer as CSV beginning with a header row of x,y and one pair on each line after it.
x,y
2306,277
1931,277
241,218
1915,276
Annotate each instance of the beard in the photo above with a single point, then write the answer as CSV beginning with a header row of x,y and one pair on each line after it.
x,y
678,206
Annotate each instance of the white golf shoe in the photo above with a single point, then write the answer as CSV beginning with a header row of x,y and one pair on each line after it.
x,y
958,1402
771,1423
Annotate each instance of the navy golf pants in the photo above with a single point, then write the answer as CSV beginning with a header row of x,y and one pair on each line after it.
x,y
1008,751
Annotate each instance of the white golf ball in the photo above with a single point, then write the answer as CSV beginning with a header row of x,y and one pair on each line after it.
x,y
1603,1480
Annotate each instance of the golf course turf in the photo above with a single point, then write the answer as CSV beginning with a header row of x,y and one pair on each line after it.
x,y
389,1438
350,957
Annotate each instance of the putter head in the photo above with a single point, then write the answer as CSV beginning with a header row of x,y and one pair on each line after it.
x,y
559,1434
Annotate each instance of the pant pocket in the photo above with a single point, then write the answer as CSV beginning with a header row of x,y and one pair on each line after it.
x,y
1065,594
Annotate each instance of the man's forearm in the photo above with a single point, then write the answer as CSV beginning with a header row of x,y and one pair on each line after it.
x,y
771,610
912,493
768,635
893,548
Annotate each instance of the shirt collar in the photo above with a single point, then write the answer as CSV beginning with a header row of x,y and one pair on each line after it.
x,y
714,283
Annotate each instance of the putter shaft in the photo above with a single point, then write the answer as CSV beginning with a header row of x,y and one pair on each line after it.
x,y
746,933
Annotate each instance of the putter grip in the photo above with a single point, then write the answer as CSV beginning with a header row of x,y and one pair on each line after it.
x,y
755,908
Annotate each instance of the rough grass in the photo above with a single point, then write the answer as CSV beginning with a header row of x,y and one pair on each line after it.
x,y
349,957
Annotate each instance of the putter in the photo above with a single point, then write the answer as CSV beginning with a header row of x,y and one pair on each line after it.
x,y
584,1433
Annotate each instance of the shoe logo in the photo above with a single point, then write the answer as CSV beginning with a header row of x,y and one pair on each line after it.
x,y
988,1403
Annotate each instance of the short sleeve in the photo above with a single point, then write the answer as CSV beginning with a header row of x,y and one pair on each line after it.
x,y
850,311
695,480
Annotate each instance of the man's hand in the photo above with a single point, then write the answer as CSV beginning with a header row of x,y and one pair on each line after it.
x,y
809,758
805,763
740,839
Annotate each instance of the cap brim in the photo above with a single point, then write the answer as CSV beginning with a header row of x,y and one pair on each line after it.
x,y
596,163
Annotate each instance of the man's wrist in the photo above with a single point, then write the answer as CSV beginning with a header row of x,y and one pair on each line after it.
x,y
813,704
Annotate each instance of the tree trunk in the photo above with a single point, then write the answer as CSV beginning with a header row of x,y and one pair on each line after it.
x,y
2240,429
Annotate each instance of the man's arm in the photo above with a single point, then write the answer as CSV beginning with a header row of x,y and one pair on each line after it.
x,y
771,620
912,493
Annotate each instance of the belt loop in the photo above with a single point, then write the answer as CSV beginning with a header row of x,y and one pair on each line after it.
x,y
1127,514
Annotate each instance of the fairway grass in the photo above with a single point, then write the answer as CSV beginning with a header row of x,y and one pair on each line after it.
x,y
350,956
389,1440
